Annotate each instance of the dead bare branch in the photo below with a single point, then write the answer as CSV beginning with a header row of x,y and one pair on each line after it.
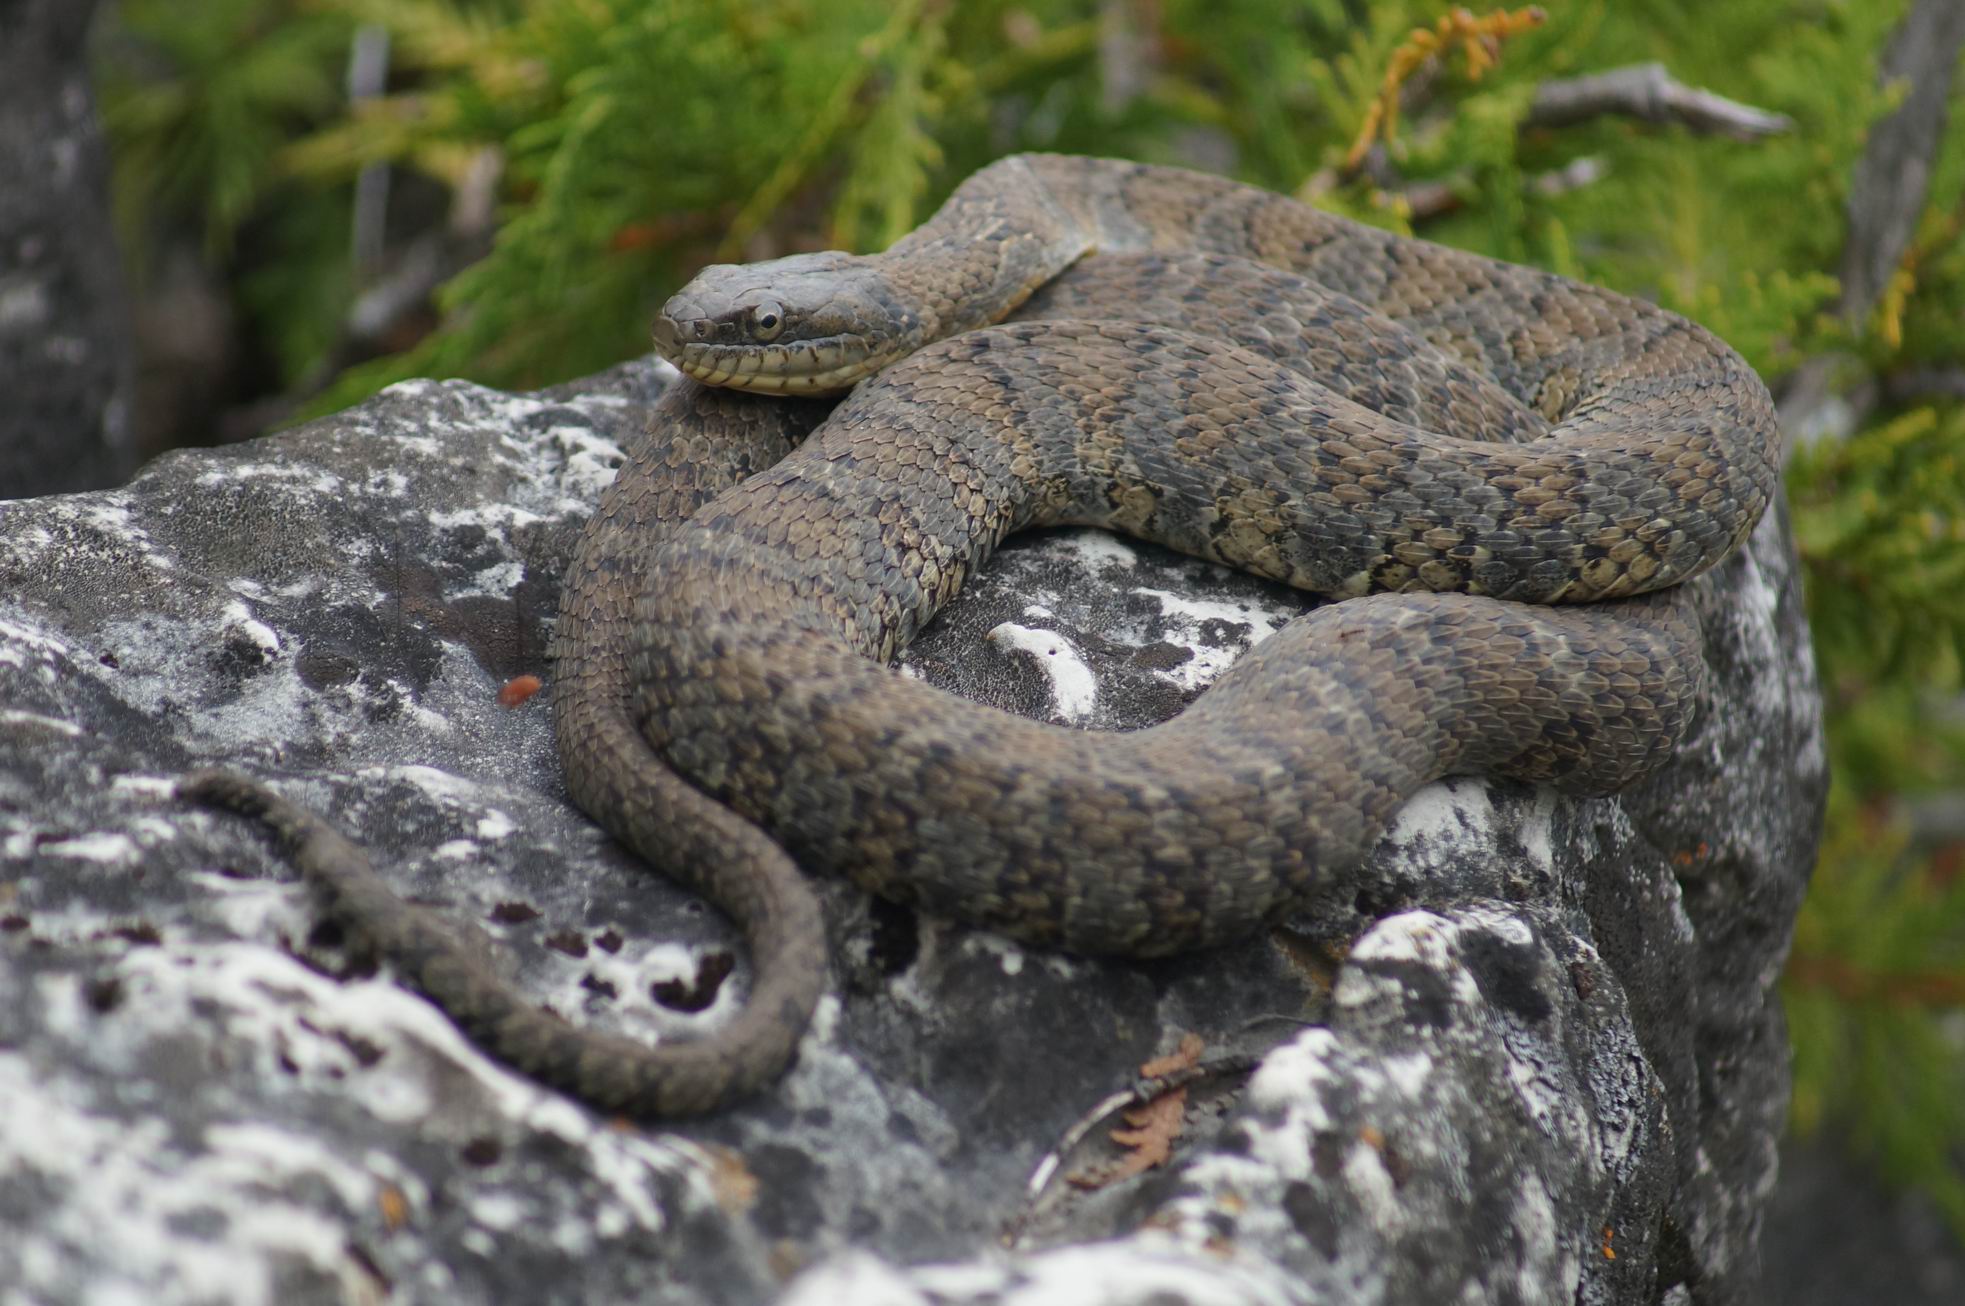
x,y
1650,93
1429,199
1886,198
1887,189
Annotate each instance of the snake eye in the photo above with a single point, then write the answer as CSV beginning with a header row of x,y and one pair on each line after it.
x,y
767,320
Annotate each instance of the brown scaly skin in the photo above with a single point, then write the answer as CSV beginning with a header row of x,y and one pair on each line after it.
x,y
1287,415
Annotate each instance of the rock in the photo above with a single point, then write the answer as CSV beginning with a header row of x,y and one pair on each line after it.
x,y
65,348
1537,1056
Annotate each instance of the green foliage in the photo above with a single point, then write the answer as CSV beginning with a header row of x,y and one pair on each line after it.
x,y
200,113
1876,985
640,139
200,110
651,137
1878,954
1881,527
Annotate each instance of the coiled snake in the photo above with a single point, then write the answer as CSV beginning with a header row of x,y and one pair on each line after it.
x,y
1232,374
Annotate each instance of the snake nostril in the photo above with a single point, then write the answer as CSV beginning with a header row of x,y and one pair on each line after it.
x,y
681,323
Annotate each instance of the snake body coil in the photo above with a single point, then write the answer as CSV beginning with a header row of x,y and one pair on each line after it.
x,y
1229,373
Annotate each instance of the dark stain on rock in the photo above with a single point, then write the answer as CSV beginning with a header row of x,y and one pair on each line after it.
x,y
514,913
1163,656
481,1151
1217,632
567,941
365,1052
104,994
1397,1164
506,636
895,937
1311,1216
240,656
1427,999
319,670
1233,1142
410,622
1327,1155
350,642
1373,903
787,1183
1508,974
328,936
712,968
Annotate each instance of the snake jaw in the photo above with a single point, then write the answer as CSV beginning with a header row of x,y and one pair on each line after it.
x,y
811,324
801,367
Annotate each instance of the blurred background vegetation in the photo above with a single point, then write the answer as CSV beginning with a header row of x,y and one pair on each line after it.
x,y
322,196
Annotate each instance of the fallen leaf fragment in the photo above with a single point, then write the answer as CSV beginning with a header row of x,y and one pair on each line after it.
x,y
1184,1057
1152,1126
731,1181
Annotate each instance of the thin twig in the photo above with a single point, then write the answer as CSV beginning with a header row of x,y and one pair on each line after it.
x,y
1648,92
1643,91
1143,1091
1430,199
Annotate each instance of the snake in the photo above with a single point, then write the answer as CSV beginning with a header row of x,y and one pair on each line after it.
x,y
1504,474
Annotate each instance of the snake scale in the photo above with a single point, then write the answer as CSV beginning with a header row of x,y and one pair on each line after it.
x,y
1515,466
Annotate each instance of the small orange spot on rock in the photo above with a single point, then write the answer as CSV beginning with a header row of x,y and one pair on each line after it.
x,y
516,691
395,1207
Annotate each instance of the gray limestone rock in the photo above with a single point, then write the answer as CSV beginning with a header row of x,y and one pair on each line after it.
x,y
65,345
1533,1054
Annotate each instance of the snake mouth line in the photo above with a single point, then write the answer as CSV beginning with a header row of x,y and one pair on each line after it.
x,y
826,365
748,370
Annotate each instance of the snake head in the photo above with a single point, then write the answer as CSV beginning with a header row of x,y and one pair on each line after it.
x,y
809,324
